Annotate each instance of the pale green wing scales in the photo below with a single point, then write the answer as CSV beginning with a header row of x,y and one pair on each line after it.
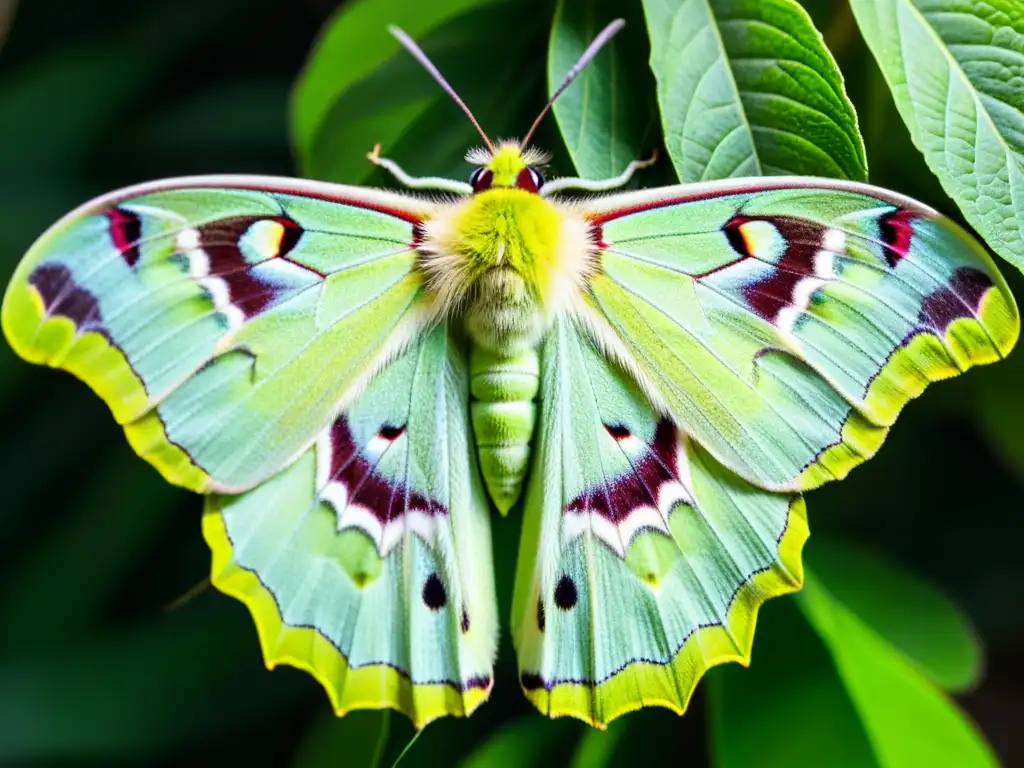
x,y
368,561
643,560
785,322
223,319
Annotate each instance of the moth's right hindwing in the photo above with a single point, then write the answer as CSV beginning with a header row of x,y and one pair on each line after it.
x,y
643,560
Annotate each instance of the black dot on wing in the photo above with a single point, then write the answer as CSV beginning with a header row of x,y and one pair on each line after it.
x,y
434,596
618,431
391,432
464,623
540,615
565,593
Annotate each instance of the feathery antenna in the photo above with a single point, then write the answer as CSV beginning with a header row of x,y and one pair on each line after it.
x,y
598,43
428,65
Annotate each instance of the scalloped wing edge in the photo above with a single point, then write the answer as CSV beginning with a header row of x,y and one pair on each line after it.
x,y
708,646
924,359
94,359
374,686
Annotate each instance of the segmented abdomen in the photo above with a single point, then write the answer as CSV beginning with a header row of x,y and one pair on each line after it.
x,y
503,411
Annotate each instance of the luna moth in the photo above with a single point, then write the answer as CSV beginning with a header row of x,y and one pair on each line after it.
x,y
357,379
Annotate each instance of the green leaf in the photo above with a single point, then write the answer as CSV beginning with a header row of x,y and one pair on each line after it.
x,y
357,739
747,88
909,721
604,115
908,612
954,68
399,105
523,743
353,44
790,708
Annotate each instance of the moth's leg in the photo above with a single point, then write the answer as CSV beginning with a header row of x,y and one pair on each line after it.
x,y
597,185
418,182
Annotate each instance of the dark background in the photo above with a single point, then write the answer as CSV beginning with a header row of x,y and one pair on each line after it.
x,y
95,547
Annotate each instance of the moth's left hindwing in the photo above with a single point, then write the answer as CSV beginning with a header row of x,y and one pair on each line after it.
x,y
368,561
222,319
643,560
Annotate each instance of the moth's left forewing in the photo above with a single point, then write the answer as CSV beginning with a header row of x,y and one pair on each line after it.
x,y
643,560
368,561
786,321
224,319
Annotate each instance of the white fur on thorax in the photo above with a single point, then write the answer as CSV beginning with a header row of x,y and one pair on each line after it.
x,y
448,276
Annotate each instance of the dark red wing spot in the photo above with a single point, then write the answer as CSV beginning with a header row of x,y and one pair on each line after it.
x,y
221,241
616,500
125,232
62,297
386,499
774,292
464,621
540,615
896,232
961,298
597,236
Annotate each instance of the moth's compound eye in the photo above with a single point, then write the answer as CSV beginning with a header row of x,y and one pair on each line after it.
x,y
480,179
530,179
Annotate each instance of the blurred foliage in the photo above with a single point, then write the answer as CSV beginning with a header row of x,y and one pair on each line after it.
x,y
852,672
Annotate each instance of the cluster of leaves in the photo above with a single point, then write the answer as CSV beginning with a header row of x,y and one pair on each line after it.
x,y
855,670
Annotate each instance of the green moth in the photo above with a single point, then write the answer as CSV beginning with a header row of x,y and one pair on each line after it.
x,y
354,378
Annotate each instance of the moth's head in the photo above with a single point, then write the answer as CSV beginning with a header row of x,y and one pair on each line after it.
x,y
508,165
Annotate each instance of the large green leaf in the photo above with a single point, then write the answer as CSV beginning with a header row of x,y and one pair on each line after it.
x,y
604,116
955,69
908,612
790,709
399,106
908,720
353,44
747,88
